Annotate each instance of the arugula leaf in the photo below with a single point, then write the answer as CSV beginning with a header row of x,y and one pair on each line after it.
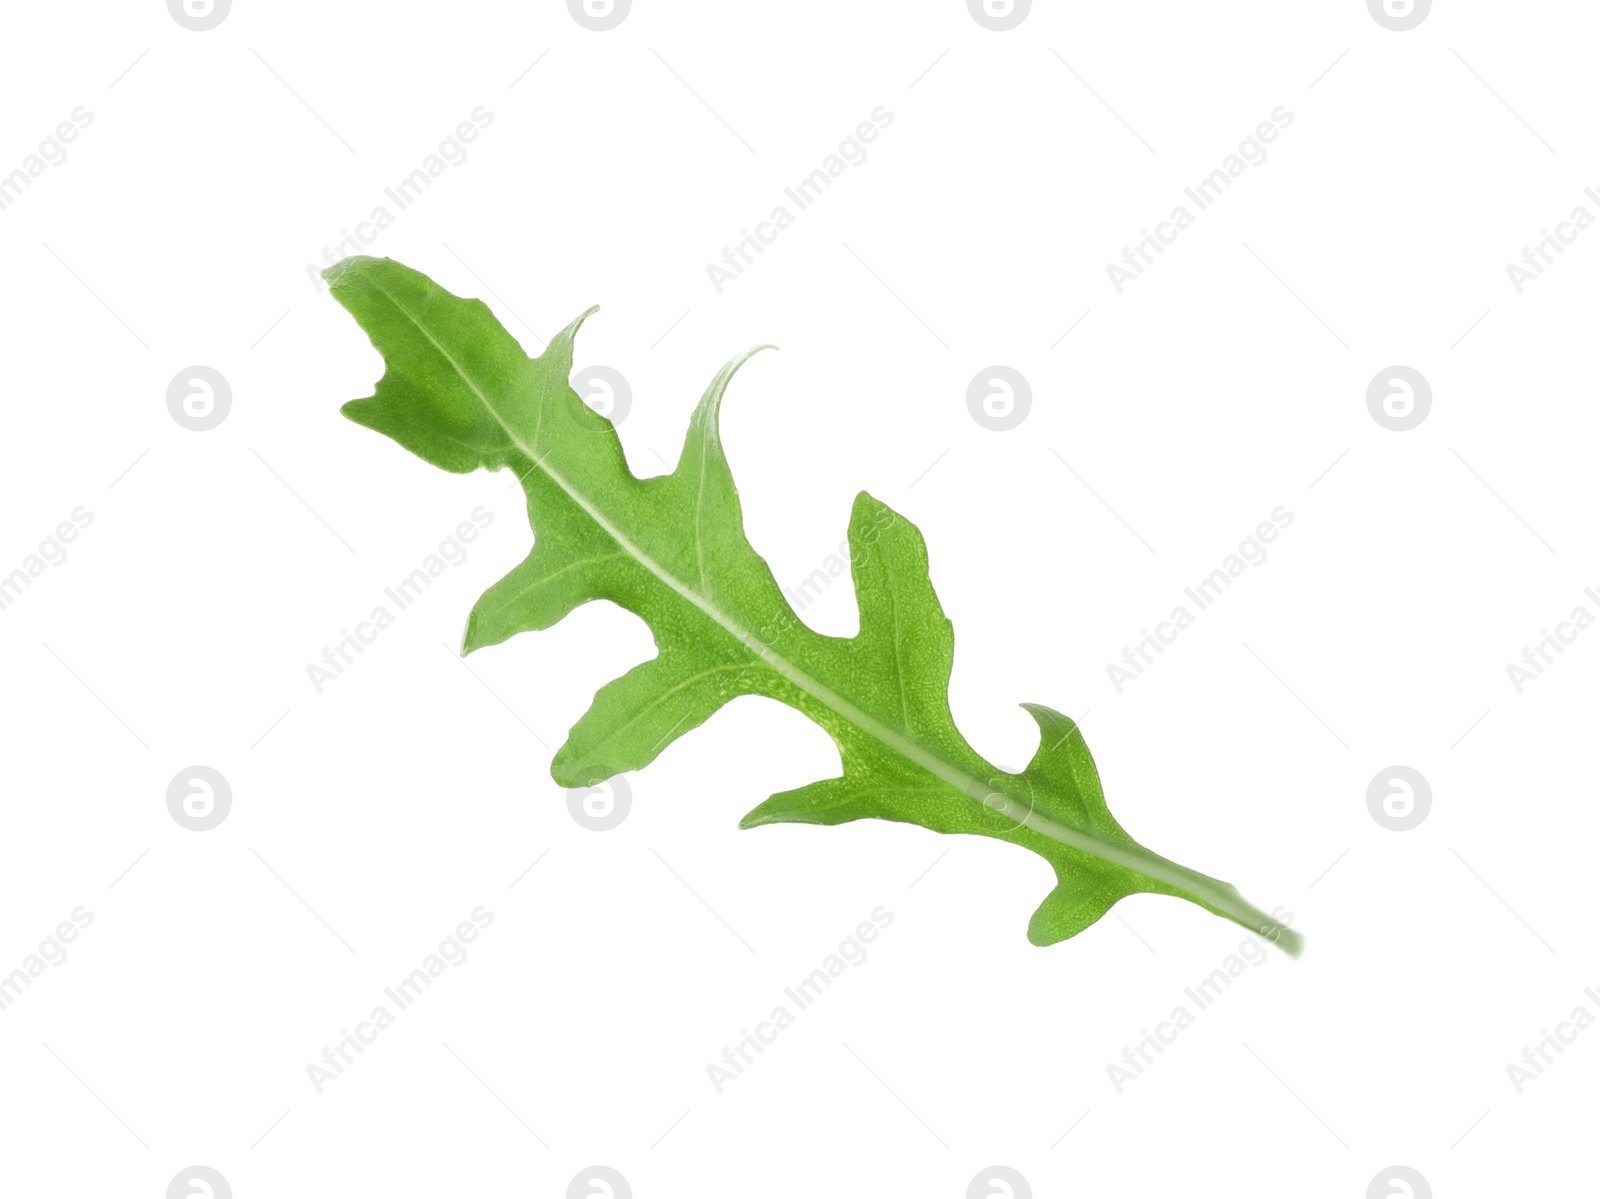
x,y
459,392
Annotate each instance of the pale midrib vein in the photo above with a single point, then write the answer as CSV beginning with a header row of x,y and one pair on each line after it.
x,y
1145,862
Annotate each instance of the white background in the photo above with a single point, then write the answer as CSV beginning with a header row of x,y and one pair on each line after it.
x,y
1230,379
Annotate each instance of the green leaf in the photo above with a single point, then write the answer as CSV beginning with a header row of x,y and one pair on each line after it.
x,y
460,393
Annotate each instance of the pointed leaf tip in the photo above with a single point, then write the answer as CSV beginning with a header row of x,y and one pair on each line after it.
x,y
719,385
571,331
347,268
